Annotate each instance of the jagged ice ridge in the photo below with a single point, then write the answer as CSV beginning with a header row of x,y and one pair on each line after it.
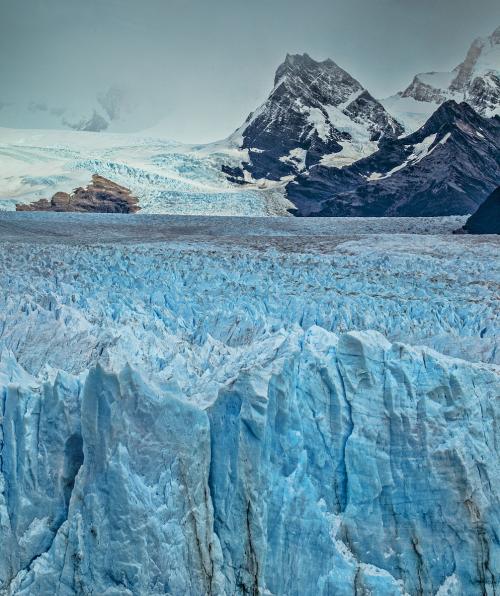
x,y
184,418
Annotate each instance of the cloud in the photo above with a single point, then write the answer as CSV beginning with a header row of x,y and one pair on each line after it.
x,y
208,63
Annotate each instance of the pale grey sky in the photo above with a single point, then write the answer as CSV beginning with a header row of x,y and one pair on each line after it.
x,y
210,62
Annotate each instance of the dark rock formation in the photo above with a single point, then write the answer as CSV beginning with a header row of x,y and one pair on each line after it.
x,y
486,220
101,196
313,108
96,123
448,167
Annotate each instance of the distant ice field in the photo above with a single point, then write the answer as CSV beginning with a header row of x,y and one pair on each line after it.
x,y
104,228
241,279
166,177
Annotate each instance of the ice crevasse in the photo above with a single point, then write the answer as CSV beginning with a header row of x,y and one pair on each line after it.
x,y
342,465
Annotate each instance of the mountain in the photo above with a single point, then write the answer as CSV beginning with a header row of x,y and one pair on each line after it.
x,y
448,167
116,109
341,153
315,110
486,220
476,80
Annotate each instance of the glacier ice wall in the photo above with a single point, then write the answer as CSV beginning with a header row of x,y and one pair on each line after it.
x,y
344,466
195,421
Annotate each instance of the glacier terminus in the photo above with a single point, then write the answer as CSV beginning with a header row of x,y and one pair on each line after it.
x,y
245,406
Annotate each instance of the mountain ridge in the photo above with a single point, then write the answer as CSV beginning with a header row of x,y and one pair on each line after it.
x,y
447,167
475,80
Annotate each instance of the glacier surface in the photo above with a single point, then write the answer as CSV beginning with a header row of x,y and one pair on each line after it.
x,y
167,177
260,411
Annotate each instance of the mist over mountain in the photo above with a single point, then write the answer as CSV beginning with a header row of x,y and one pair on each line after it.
x,y
199,68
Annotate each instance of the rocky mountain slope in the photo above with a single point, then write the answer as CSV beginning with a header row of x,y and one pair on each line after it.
x,y
448,167
476,80
315,109
486,220
100,196
194,418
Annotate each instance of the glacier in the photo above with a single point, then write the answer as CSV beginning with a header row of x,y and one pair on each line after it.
x,y
244,406
167,177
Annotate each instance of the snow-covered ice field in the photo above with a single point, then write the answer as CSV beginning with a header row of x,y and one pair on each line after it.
x,y
248,406
166,176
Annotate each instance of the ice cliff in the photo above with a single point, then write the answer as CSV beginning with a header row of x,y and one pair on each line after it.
x,y
167,429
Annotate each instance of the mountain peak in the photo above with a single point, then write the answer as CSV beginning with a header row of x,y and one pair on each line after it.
x,y
476,80
450,115
494,38
314,109
299,64
453,109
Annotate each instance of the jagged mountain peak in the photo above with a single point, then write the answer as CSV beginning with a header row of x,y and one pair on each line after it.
x,y
482,59
448,114
324,81
315,109
476,80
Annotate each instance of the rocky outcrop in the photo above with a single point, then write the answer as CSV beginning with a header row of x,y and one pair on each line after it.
x,y
101,196
94,123
486,220
448,167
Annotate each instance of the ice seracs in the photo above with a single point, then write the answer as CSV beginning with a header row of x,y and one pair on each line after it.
x,y
194,418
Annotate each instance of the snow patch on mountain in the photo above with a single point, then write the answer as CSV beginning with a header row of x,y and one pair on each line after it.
x,y
476,80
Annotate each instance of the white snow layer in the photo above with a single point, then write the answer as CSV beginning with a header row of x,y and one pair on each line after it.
x,y
167,177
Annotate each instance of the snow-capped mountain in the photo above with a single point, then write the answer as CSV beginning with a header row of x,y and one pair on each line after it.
x,y
476,80
315,109
448,167
117,109
340,152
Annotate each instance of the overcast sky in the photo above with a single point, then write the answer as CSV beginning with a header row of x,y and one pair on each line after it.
x,y
210,62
